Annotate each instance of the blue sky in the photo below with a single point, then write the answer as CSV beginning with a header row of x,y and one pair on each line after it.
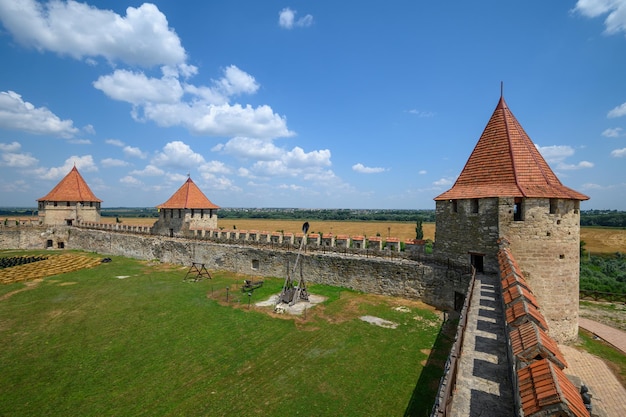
x,y
310,104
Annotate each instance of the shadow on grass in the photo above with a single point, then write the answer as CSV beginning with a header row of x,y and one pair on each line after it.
x,y
425,391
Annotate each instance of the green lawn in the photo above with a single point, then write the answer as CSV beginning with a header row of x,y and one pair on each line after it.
x,y
89,343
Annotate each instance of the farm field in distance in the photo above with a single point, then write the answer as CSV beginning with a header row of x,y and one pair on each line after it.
x,y
130,338
402,230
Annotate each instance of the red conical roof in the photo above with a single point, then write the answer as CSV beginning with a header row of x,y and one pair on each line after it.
x,y
71,188
506,163
188,196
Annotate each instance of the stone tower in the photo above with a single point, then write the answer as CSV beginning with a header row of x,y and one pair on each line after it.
x,y
71,200
507,191
187,209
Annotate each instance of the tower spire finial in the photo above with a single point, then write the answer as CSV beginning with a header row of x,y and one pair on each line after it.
x,y
501,89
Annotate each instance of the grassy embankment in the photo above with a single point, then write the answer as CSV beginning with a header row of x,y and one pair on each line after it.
x,y
131,338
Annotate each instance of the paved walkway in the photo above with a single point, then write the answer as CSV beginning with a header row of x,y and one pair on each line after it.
x,y
609,334
483,386
608,394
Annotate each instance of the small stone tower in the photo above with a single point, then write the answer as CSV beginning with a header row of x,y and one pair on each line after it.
x,y
71,200
188,208
507,191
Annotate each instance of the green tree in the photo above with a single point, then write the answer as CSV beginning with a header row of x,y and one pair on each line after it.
x,y
419,231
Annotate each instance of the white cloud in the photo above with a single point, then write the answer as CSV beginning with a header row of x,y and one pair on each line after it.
x,y
214,167
89,129
135,152
142,37
10,147
111,162
148,171
130,180
114,142
615,21
236,81
137,88
555,153
84,163
17,114
421,113
569,167
80,141
250,148
176,178
443,182
297,158
287,19
291,187
221,183
272,161
219,120
178,154
615,132
618,111
18,160
422,172
619,153
362,169
206,110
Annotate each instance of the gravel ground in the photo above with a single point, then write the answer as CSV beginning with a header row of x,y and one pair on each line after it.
x,y
611,314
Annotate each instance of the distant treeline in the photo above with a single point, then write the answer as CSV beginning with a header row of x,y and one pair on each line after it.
x,y
604,218
328,214
603,273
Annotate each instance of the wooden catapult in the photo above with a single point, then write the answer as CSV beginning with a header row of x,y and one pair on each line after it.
x,y
197,272
292,292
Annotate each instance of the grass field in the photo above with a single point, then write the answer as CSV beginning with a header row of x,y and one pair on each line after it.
x,y
130,338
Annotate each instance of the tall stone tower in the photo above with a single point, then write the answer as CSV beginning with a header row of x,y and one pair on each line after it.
x,y
70,200
507,190
187,208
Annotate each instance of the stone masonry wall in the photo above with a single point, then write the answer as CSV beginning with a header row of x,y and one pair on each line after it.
x,y
57,215
178,222
547,249
435,285
457,234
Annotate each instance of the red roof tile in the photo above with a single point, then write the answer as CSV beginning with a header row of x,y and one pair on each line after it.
x,y
188,196
545,390
523,312
71,188
506,163
529,342
515,293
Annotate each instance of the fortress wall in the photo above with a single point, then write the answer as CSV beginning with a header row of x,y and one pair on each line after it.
x,y
431,284
21,237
